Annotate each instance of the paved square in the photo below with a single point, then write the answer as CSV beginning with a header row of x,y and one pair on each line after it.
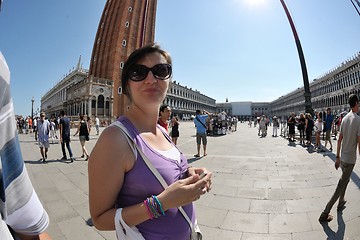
x,y
263,188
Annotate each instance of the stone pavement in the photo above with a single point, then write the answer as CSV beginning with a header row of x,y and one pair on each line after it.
x,y
263,188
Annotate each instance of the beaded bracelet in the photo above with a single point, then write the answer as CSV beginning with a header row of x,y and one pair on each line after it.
x,y
147,208
158,204
154,207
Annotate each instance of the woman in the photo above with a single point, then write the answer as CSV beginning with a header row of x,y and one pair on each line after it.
x,y
309,125
52,130
301,128
275,126
174,129
118,176
291,125
318,130
83,130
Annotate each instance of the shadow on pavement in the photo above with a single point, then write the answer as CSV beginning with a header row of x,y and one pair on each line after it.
x,y
48,161
339,234
354,177
194,159
89,222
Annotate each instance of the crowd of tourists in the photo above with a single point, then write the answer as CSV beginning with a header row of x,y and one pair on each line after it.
x,y
303,128
45,131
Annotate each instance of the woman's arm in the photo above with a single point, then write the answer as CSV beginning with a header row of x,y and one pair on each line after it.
x,y
78,128
109,160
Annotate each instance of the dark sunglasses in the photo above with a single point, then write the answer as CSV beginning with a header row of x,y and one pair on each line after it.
x,y
160,71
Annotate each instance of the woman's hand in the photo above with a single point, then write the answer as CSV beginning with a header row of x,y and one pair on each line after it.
x,y
185,191
198,171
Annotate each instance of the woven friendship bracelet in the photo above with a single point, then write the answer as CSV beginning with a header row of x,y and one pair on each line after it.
x,y
154,207
158,204
147,208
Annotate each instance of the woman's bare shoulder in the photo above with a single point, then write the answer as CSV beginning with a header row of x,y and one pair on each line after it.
x,y
112,145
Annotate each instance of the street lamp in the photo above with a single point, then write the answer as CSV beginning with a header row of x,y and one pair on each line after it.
x,y
307,93
32,107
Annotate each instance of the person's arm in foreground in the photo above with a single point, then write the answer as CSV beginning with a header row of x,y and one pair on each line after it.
x,y
42,236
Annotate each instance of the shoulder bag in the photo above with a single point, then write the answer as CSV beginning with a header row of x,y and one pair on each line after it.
x,y
195,230
201,122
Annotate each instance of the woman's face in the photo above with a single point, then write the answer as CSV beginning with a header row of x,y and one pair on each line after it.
x,y
150,91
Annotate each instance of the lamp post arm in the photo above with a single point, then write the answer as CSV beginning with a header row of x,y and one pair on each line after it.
x,y
357,10
307,93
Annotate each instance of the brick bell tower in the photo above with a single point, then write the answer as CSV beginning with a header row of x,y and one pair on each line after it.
x,y
124,26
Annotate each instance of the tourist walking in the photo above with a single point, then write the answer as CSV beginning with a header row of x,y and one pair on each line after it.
x,y
275,126
262,126
235,122
30,124
291,124
83,130
301,127
175,129
124,194
329,122
200,124
97,125
43,136
65,135
348,143
53,130
35,127
318,130
309,125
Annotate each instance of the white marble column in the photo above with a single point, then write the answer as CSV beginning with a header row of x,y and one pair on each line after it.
x,y
89,106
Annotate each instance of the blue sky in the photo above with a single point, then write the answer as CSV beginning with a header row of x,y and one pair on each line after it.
x,y
242,50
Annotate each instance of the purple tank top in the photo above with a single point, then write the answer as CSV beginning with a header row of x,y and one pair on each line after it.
x,y
140,183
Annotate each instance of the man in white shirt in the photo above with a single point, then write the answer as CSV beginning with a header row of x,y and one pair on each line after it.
x,y
97,125
349,140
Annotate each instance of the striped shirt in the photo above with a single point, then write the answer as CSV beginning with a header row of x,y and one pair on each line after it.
x,y
20,207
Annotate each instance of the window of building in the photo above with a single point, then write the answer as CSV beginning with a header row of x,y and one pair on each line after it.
x,y
101,101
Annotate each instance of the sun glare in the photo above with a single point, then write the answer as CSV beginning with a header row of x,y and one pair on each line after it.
x,y
255,2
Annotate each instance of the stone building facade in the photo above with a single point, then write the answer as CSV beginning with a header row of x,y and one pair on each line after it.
x,y
79,94
185,101
332,90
